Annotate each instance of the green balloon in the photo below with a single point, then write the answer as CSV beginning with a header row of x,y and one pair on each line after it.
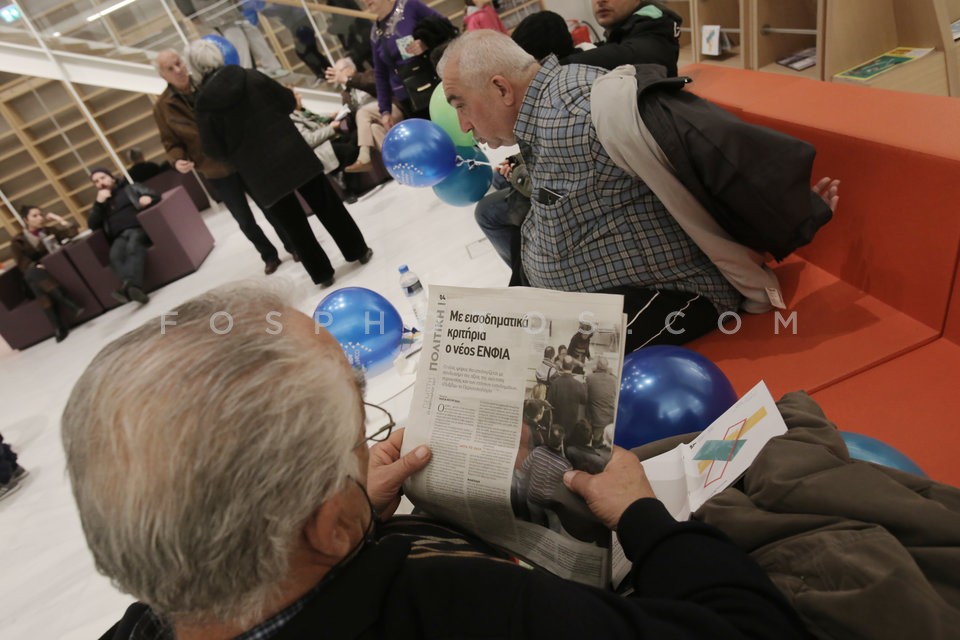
x,y
445,116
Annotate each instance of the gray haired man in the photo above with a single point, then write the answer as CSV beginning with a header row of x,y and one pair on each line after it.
x,y
224,479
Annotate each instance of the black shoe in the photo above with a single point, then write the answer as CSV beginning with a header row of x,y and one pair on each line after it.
x,y
365,258
271,266
136,293
121,295
19,473
295,256
62,334
326,284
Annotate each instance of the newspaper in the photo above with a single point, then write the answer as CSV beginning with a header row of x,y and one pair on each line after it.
x,y
505,419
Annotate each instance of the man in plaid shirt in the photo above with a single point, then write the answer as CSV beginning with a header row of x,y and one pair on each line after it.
x,y
592,226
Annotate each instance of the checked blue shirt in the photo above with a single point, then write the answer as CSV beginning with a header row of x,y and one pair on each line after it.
x,y
591,225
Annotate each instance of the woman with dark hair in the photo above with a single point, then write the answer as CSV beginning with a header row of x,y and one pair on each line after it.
x,y
244,119
42,235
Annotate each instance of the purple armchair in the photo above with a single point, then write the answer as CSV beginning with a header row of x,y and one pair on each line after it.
x,y
22,321
181,242
171,179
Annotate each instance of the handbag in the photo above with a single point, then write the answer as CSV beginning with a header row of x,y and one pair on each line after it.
x,y
419,78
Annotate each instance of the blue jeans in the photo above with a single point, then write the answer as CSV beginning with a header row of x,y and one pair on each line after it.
x,y
500,215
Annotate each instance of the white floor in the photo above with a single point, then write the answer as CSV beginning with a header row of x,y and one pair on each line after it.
x,y
49,588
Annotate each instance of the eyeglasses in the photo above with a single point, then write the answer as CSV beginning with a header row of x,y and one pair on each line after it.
x,y
380,420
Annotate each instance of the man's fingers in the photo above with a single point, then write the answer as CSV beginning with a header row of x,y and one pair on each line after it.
x,y
577,482
408,464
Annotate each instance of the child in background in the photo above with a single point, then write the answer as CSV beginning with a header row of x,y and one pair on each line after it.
x,y
482,15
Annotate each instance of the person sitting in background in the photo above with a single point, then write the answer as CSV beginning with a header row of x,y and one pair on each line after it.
x,y
358,91
244,119
320,133
115,211
636,31
267,512
141,170
481,14
43,233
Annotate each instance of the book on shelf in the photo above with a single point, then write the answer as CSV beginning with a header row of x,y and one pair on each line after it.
x,y
803,59
484,402
882,63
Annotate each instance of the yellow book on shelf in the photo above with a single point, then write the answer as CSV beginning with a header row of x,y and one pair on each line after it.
x,y
881,64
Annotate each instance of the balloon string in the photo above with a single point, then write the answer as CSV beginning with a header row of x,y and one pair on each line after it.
x,y
471,163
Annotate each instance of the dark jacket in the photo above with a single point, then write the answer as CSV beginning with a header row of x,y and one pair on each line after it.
x,y
638,39
425,580
753,180
244,119
862,551
566,395
119,212
180,135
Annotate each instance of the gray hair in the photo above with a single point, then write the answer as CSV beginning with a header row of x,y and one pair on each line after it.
x,y
202,57
484,53
196,458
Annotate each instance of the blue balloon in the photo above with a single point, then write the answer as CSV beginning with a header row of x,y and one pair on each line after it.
x,y
666,391
466,184
365,324
869,449
418,153
230,55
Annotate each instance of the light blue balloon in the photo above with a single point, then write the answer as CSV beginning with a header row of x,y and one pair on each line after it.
x,y
869,449
230,55
418,153
365,324
466,185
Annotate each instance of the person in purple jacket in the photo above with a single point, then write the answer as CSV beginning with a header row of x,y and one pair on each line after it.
x,y
394,45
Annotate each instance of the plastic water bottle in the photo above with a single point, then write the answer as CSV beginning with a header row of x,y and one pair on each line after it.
x,y
417,297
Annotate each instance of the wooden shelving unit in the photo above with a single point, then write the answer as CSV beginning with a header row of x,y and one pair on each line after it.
x,y
776,33
856,31
733,16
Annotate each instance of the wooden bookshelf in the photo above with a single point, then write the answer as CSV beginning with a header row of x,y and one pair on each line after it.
x,y
733,16
781,29
856,31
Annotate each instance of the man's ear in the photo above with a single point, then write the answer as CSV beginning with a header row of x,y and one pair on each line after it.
x,y
504,90
330,530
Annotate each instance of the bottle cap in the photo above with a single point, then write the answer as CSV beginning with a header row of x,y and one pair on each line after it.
x,y
403,268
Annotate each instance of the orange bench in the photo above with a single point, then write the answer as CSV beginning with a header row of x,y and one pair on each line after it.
x,y
875,283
